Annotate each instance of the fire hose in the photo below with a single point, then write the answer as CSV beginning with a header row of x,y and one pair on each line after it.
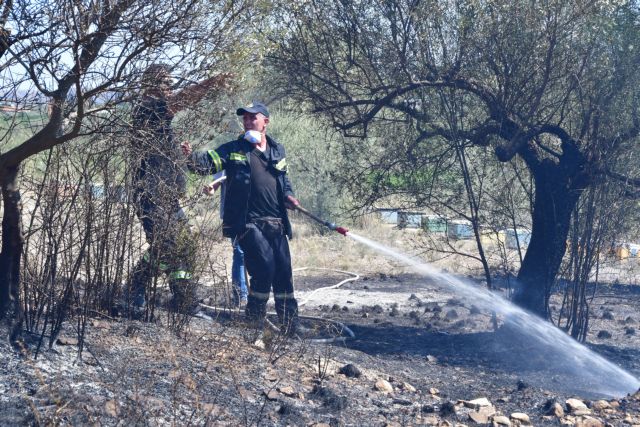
x,y
330,225
343,328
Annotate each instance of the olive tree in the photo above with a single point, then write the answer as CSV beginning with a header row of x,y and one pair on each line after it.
x,y
554,84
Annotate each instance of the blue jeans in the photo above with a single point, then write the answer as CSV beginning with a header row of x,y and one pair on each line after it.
x,y
238,277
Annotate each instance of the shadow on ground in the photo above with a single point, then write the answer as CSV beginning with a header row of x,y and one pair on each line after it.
x,y
505,352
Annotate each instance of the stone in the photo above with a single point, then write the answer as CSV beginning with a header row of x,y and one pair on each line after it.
x,y
67,341
383,386
589,422
521,418
574,405
482,415
408,387
432,359
350,370
433,391
556,410
271,376
260,344
579,412
600,405
287,390
111,408
271,394
477,403
500,420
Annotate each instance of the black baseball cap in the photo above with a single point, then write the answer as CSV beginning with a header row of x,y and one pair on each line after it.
x,y
253,108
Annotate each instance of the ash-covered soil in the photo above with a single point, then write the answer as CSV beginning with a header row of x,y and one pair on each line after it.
x,y
421,356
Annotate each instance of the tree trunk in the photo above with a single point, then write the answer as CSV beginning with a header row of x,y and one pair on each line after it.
x,y
12,242
554,201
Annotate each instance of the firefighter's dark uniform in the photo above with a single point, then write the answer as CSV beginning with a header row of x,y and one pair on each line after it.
x,y
255,216
160,181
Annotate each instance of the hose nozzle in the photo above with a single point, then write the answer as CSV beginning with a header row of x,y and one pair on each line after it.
x,y
341,230
329,225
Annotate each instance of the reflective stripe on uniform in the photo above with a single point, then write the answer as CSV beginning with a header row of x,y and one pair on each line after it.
x,y
239,157
216,160
180,274
282,165
161,265
259,295
286,295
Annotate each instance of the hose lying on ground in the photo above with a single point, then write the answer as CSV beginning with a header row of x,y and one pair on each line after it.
x,y
343,328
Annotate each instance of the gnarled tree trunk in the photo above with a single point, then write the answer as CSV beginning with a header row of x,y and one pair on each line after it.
x,y
10,255
555,199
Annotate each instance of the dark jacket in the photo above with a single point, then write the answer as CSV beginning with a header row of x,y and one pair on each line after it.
x,y
232,158
159,171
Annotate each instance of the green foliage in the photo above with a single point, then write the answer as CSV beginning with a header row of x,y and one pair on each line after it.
x,y
313,159
16,127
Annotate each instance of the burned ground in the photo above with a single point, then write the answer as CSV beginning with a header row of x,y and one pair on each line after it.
x,y
423,357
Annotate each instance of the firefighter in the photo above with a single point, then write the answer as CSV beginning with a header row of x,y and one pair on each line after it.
x,y
258,194
159,183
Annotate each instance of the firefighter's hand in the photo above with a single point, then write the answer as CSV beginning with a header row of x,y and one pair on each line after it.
x,y
186,148
209,189
291,202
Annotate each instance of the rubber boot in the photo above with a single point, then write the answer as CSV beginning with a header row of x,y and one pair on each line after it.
x,y
287,310
256,312
136,289
182,300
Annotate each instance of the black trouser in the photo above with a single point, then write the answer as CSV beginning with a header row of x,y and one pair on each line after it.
x,y
268,261
171,249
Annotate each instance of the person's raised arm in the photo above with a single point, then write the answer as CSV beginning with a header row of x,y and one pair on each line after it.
x,y
192,94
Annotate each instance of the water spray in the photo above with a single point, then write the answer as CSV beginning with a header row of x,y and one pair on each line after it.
x,y
329,225
588,370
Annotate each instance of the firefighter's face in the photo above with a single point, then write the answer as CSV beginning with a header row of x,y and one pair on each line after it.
x,y
160,86
164,84
255,121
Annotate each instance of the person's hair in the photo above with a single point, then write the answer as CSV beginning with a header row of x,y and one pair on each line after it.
x,y
152,74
